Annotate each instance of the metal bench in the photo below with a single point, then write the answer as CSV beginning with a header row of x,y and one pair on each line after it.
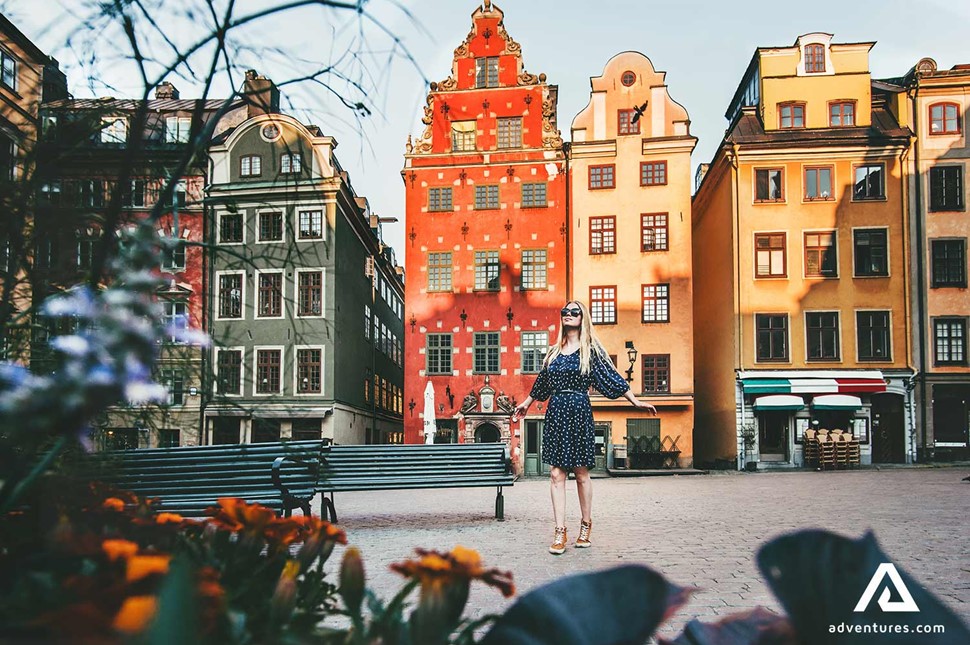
x,y
394,467
187,480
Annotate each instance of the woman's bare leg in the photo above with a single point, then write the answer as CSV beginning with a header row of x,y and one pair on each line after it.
x,y
584,486
557,481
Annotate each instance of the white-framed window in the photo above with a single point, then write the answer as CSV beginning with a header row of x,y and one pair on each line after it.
x,y
309,293
291,163
177,129
270,226
250,166
308,370
310,224
231,294
232,228
269,294
367,315
176,316
268,370
229,370
114,129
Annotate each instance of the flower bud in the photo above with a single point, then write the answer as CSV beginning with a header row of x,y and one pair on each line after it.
x,y
352,580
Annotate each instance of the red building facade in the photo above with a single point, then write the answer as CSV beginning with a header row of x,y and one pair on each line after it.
x,y
486,240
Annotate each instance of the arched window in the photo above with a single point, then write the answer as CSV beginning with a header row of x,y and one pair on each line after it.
x,y
814,58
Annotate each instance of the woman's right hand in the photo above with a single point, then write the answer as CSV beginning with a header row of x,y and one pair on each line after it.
x,y
520,411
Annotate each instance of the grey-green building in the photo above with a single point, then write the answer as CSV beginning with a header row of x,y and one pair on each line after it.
x,y
305,303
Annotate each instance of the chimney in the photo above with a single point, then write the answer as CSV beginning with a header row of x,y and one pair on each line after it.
x,y
261,95
166,90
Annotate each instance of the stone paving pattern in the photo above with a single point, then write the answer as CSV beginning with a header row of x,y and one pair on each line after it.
x,y
700,530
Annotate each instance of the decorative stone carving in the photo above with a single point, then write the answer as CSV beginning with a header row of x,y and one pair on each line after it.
x,y
551,137
470,404
525,78
504,403
448,85
409,147
511,47
462,51
428,110
547,109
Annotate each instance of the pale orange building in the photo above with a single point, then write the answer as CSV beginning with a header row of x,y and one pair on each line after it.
x,y
630,251
937,102
801,272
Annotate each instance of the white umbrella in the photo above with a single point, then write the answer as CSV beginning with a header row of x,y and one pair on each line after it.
x,y
430,429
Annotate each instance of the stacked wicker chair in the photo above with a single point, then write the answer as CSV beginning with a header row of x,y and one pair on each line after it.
x,y
810,447
826,451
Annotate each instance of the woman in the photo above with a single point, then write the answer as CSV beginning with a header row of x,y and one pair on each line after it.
x,y
571,366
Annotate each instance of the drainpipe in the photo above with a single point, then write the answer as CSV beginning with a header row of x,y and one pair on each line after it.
x,y
742,462
567,149
921,305
732,157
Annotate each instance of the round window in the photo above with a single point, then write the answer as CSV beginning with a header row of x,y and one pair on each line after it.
x,y
628,78
270,132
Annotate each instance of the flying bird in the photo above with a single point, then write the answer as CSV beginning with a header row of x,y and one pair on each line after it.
x,y
638,112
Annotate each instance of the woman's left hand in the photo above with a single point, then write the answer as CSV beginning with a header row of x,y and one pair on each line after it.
x,y
640,405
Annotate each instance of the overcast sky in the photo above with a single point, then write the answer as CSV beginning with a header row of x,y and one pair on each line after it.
x,y
703,45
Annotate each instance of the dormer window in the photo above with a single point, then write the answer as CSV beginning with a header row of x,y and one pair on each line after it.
x,y
814,59
944,118
841,114
177,129
791,115
114,129
486,71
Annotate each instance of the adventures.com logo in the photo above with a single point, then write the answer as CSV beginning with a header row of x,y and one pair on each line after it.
x,y
888,579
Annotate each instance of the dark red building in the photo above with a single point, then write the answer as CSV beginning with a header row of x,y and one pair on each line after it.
x,y
486,239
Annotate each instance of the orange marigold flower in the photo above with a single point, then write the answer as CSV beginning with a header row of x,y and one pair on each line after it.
x,y
113,504
434,569
169,518
235,514
135,614
141,566
119,549
283,531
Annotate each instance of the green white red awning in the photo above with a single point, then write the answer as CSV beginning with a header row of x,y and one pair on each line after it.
x,y
869,382
777,402
845,402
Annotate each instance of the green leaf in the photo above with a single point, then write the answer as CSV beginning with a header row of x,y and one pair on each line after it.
x,y
177,620
620,605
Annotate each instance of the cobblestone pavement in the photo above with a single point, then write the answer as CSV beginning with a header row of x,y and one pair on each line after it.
x,y
698,530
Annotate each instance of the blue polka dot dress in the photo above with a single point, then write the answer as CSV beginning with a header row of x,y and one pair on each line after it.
x,y
568,438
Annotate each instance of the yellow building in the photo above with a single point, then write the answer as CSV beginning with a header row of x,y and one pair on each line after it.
x,y
936,103
800,263
630,251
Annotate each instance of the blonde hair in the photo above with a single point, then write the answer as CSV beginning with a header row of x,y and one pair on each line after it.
x,y
588,342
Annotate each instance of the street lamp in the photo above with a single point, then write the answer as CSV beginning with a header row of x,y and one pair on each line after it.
x,y
631,354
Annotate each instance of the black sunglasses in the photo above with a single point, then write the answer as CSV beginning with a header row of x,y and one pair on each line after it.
x,y
573,311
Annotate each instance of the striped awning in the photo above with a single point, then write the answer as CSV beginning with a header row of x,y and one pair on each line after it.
x,y
822,382
779,402
836,402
